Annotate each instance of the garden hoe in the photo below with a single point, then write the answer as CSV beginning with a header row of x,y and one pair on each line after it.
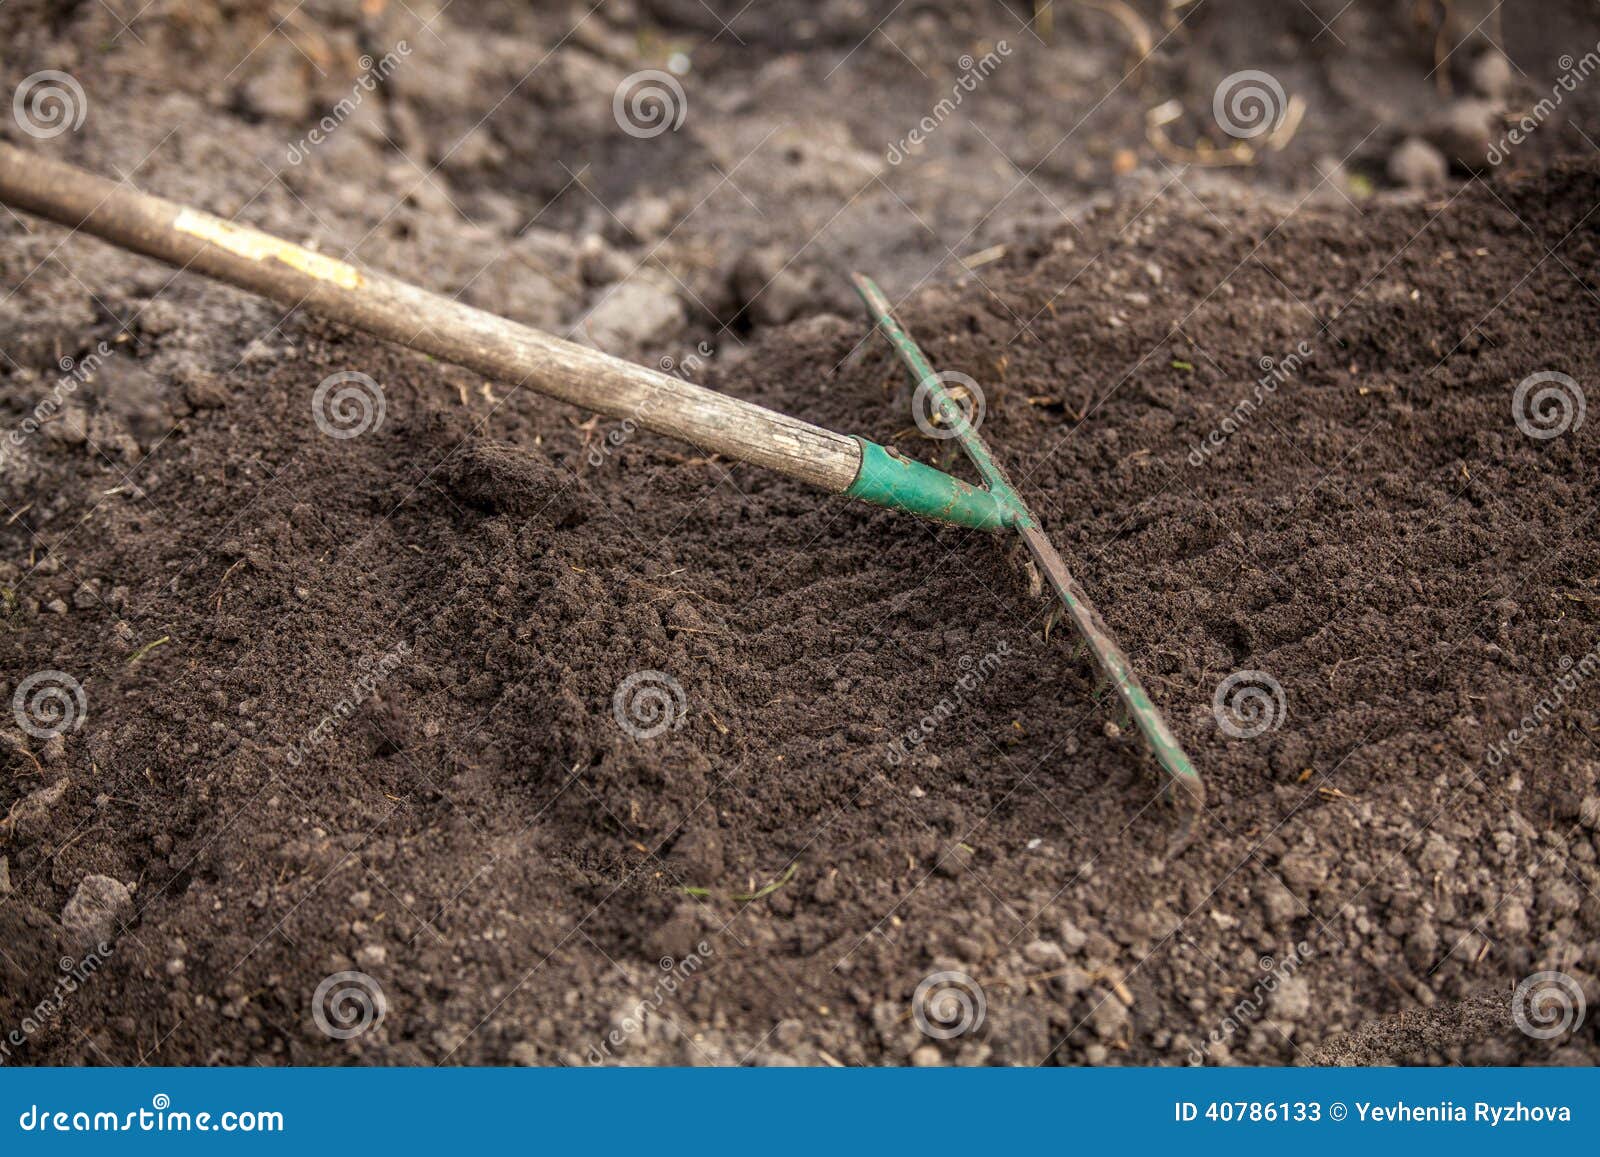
x,y
385,307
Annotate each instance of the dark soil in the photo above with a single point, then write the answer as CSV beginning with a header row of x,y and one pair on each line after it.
x,y
477,576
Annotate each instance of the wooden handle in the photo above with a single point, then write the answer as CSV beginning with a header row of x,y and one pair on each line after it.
x,y
390,309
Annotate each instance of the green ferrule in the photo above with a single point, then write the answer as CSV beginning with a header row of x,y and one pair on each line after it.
x,y
887,479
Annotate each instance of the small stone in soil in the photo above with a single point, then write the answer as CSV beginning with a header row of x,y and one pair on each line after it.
x,y
1043,954
1292,1001
1491,75
97,910
642,311
1109,1017
1416,164
646,218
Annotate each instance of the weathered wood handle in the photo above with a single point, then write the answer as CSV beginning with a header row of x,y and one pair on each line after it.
x,y
388,308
